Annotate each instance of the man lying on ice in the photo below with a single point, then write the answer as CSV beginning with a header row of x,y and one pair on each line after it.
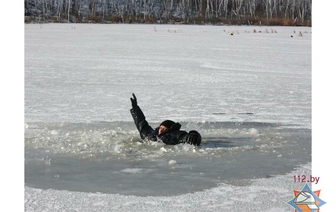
x,y
168,132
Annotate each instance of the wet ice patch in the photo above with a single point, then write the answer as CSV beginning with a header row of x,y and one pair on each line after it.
x,y
230,153
172,162
53,132
253,131
266,194
185,148
132,170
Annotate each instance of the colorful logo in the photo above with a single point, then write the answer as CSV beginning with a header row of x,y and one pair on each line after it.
x,y
306,200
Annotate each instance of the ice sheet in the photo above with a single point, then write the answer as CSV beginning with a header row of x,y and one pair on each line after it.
x,y
249,94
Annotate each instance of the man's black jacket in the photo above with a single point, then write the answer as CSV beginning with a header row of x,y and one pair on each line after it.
x,y
171,137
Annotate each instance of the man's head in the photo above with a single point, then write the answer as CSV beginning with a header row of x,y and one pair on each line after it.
x,y
164,126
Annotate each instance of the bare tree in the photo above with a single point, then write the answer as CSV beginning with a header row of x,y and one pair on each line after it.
x,y
295,10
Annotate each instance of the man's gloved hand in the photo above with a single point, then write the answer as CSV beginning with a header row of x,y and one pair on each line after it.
x,y
134,101
194,138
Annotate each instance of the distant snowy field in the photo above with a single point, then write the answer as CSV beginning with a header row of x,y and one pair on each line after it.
x,y
247,90
187,73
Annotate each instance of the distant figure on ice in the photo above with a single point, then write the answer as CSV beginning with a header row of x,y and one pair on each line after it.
x,y
168,132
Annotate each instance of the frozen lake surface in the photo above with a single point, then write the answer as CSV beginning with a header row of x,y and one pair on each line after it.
x,y
246,89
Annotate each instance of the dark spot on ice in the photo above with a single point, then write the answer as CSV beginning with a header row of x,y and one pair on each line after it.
x,y
218,113
247,113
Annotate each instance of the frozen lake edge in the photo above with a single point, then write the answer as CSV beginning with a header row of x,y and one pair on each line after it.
x,y
269,194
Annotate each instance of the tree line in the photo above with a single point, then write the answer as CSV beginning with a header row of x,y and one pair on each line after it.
x,y
251,12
